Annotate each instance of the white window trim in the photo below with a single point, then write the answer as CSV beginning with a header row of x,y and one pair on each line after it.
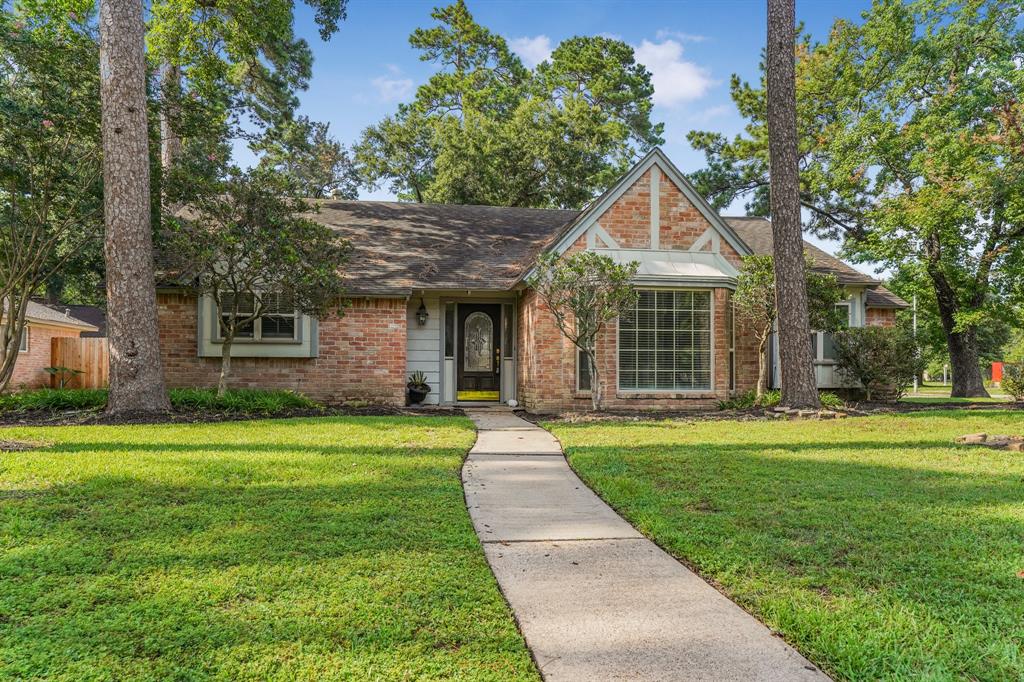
x,y
672,391
23,343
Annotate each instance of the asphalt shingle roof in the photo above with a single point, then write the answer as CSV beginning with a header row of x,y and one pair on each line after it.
x,y
398,247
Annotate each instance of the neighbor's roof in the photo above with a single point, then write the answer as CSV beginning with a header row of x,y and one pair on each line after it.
x,y
883,298
41,314
89,314
398,247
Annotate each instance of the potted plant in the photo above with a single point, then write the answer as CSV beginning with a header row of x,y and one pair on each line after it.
x,y
418,387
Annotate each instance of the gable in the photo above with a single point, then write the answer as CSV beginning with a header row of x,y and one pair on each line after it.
x,y
654,216
653,208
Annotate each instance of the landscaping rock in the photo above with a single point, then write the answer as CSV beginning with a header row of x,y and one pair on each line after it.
x,y
1015,446
972,438
807,414
826,414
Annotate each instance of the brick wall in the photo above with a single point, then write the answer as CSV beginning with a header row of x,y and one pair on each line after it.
x,y
880,317
362,355
28,368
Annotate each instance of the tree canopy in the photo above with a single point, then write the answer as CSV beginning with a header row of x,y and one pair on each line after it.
x,y
911,130
51,202
485,129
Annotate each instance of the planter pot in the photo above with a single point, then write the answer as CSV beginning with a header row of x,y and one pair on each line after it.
x,y
417,394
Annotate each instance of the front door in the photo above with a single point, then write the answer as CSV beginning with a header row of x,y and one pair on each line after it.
x,y
479,355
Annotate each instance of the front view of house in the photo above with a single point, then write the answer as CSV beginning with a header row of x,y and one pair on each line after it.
x,y
442,289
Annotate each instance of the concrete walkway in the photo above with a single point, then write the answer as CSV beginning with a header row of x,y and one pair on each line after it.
x,y
594,598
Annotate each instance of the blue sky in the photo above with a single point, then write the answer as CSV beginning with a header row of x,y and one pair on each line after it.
x,y
691,47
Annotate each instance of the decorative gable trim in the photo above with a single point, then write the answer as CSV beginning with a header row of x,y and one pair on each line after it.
x,y
655,159
710,236
598,238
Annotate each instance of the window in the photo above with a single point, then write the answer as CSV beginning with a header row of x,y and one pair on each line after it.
x,y
23,345
665,343
582,371
277,321
823,348
449,330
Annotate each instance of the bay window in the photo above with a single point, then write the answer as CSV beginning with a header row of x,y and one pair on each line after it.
x,y
665,342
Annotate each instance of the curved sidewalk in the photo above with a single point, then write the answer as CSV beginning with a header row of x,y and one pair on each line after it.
x,y
594,598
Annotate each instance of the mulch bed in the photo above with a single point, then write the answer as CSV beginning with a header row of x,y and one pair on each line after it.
x,y
95,417
862,409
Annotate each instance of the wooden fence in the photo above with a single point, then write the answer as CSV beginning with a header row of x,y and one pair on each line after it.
x,y
89,356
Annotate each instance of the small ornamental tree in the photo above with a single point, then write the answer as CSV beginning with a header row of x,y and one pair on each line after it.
x,y
882,359
755,303
246,242
584,292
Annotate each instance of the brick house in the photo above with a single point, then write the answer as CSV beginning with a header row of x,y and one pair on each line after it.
x,y
42,324
441,289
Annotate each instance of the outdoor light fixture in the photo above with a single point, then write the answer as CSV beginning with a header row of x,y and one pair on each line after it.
x,y
421,314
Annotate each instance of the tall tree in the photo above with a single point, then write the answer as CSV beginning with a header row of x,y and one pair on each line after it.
x,y
230,64
486,130
796,364
51,204
318,165
912,151
136,372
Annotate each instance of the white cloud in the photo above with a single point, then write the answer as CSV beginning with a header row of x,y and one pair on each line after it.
x,y
531,50
675,79
682,37
711,114
393,88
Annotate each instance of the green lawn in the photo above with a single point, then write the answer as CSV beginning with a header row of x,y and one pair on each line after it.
x,y
936,393
288,550
877,547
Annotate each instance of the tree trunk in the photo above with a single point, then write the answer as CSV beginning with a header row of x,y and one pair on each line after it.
x,y
136,373
962,345
964,361
762,369
595,382
225,365
170,141
799,388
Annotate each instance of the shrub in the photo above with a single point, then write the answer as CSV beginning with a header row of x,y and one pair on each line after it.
x,y
881,359
241,400
749,399
1013,380
831,400
54,400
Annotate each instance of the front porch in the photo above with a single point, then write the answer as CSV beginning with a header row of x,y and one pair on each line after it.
x,y
465,344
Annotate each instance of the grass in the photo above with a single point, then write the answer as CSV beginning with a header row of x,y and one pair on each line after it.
x,y
241,401
874,545
932,393
306,549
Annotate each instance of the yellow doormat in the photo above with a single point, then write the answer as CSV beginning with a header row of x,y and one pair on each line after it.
x,y
471,396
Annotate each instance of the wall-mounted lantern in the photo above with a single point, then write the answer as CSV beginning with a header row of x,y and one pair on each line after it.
x,y
422,314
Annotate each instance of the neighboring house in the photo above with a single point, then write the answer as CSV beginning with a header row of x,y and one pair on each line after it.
x,y
42,324
89,314
441,289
